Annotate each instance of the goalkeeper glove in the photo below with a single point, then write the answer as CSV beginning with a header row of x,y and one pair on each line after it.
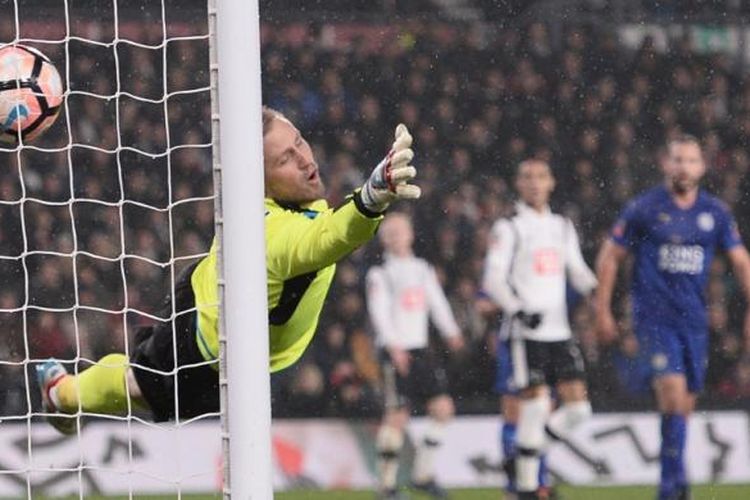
x,y
529,320
388,182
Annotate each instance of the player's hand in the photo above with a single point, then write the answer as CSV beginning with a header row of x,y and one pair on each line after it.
x,y
400,359
389,181
455,343
606,326
485,307
529,320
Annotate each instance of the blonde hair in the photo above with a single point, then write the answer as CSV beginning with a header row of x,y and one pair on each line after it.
x,y
685,139
269,115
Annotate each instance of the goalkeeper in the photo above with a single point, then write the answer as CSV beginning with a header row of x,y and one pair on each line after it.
x,y
304,240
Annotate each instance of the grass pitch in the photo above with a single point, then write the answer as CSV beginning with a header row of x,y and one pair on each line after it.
x,y
704,492
701,492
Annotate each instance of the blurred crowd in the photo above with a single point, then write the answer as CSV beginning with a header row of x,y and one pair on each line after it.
x,y
669,8
477,101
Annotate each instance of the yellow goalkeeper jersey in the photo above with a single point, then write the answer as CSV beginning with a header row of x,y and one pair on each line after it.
x,y
303,245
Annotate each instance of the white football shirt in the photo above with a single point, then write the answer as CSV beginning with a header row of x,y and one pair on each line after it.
x,y
402,295
531,257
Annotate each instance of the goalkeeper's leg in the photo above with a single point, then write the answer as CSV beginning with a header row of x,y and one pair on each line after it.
x,y
148,380
104,388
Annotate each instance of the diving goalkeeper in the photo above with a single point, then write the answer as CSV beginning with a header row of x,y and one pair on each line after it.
x,y
304,240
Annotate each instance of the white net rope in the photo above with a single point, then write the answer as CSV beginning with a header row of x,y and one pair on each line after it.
x,y
98,217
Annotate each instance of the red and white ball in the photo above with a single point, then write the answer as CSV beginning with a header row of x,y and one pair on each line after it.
x,y
31,93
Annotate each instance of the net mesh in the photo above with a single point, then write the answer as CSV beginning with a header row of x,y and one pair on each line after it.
x,y
99,216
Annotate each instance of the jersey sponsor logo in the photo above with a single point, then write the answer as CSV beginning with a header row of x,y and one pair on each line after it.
x,y
413,299
706,221
686,259
547,261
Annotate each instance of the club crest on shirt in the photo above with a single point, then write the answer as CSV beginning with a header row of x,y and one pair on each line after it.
x,y
659,361
413,298
706,221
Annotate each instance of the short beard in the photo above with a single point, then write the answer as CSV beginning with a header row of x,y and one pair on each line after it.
x,y
683,187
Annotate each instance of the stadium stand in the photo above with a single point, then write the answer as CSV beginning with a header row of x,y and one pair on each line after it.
x,y
596,109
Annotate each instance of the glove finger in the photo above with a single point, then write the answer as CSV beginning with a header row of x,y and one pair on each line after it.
x,y
400,130
408,191
403,138
401,158
402,174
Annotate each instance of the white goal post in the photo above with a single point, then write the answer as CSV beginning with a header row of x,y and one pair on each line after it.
x,y
100,216
238,161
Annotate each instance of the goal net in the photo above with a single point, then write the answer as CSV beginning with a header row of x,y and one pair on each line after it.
x,y
98,217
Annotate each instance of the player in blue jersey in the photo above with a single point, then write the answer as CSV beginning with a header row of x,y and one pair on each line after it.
x,y
673,232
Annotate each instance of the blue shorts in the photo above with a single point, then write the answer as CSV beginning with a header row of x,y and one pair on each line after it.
x,y
674,349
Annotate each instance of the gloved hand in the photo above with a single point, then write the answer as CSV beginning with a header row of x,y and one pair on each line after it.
x,y
529,320
388,182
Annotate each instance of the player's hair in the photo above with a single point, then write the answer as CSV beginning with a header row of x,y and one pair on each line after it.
x,y
684,139
387,221
533,160
269,115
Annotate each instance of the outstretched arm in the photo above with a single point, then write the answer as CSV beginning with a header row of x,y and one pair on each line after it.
x,y
296,244
299,245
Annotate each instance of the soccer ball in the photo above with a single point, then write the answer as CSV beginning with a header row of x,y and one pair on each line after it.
x,y
31,93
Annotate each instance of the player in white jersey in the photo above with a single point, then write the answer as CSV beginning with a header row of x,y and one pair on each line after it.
x,y
402,294
532,256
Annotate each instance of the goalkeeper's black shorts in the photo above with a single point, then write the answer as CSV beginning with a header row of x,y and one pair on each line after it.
x,y
196,388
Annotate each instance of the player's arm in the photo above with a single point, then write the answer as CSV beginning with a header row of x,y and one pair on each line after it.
x,y
579,273
441,313
740,259
495,282
625,235
298,245
380,306
730,241
608,264
380,309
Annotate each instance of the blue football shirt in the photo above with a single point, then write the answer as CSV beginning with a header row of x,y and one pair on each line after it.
x,y
673,250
